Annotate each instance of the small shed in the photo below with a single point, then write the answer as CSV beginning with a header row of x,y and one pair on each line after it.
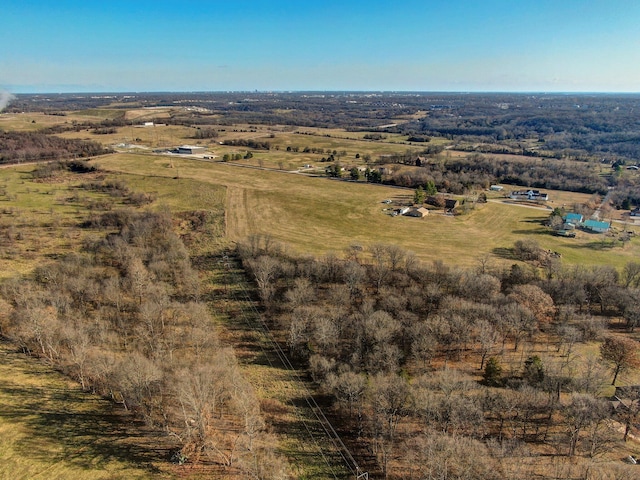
x,y
496,188
565,233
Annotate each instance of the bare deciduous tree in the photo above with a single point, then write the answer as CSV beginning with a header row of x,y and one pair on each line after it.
x,y
444,457
487,338
349,389
582,412
621,352
631,275
202,393
265,270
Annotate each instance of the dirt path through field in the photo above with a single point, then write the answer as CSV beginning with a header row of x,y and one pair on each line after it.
x,y
236,212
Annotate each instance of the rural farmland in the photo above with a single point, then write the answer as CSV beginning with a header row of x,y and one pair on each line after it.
x,y
263,308
318,216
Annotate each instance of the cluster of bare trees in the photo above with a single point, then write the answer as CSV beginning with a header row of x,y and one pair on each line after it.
x,y
478,171
381,333
18,147
124,317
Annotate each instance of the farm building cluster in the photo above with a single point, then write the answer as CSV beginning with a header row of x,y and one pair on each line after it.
x,y
576,220
420,211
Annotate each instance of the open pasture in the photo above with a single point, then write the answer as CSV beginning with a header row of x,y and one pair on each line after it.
x,y
34,121
37,219
97,114
318,215
41,218
31,121
149,114
157,136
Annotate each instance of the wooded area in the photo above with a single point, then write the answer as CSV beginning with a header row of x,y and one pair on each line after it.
x,y
18,147
125,317
472,371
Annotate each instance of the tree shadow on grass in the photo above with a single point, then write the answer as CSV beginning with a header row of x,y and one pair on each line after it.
x,y
504,252
64,425
538,231
536,220
90,440
597,246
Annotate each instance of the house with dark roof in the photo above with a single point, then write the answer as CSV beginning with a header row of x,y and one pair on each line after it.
x,y
450,204
536,195
190,149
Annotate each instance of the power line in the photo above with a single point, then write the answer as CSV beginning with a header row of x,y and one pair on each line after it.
x,y
329,431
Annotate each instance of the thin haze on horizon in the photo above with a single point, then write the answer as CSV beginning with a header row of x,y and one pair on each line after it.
x,y
348,45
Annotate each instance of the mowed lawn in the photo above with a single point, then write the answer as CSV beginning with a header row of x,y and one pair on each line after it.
x,y
316,215
50,430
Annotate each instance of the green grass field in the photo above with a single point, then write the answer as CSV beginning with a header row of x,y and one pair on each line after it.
x,y
318,215
39,219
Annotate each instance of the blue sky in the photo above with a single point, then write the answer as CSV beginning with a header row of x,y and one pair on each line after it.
x,y
425,45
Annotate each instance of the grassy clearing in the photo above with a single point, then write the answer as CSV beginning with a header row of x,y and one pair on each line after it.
x,y
29,122
159,136
98,113
51,430
33,121
283,393
40,219
317,215
149,113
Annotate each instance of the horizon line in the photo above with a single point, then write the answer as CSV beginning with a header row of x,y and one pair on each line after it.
x,y
258,91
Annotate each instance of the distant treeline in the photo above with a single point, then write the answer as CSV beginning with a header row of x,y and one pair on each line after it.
x,y
590,125
255,144
478,171
579,126
30,146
